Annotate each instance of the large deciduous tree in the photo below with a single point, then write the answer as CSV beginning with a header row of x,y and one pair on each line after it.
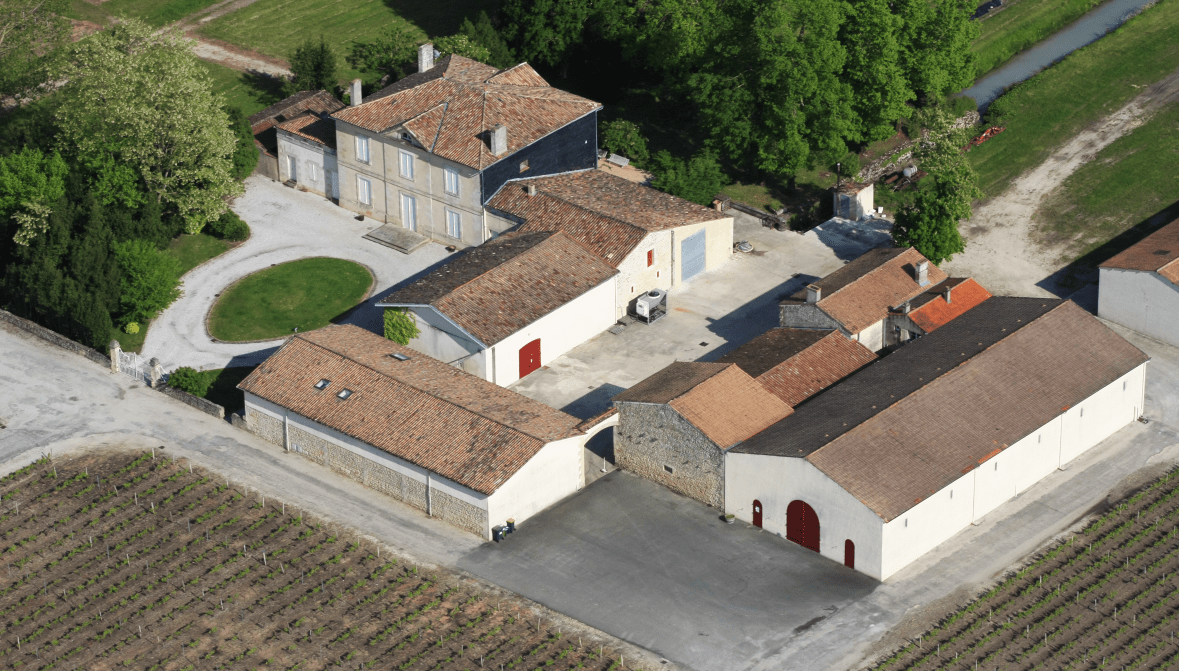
x,y
29,29
935,43
151,279
313,66
394,53
873,70
31,183
546,30
138,100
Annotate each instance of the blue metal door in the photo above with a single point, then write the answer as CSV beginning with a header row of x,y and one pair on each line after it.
x,y
692,255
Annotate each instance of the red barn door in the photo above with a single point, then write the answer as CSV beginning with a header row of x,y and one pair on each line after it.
x,y
802,525
530,357
757,513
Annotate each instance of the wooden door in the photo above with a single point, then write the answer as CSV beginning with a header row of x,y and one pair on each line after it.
x,y
802,525
849,553
757,513
530,357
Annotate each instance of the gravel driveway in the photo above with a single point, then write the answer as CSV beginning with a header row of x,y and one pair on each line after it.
x,y
285,225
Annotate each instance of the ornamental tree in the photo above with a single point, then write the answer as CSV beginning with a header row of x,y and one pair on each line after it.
x,y
400,326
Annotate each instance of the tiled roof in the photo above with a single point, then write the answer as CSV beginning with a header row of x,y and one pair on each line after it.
x,y
316,102
796,364
604,212
852,187
311,127
860,294
422,410
502,286
721,400
931,311
1157,252
916,420
467,99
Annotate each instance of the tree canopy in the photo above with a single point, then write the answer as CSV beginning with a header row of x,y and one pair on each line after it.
x,y
29,30
313,67
138,107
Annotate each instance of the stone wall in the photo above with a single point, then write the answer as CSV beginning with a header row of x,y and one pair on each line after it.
x,y
204,405
805,316
652,438
53,338
371,474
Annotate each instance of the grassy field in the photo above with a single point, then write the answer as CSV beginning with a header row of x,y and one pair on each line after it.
x,y
307,294
156,565
193,250
1021,25
1091,83
251,93
1128,182
276,27
153,12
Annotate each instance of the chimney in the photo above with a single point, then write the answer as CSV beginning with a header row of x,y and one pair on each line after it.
x,y
355,95
946,294
813,293
921,273
425,57
499,139
530,189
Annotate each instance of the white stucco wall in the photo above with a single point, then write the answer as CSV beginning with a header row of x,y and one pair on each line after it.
x,y
776,481
1143,301
559,331
1097,417
549,476
872,337
405,468
443,340
635,277
306,154
927,525
718,245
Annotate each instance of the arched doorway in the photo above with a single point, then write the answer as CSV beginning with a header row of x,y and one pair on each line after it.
x,y
802,525
757,513
849,553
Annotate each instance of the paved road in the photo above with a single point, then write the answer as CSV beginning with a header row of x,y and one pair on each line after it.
x,y
285,225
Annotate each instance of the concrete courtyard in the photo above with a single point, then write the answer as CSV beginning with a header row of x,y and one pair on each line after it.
x,y
285,225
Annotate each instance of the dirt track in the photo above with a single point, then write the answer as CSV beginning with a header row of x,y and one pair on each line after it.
x,y
1000,251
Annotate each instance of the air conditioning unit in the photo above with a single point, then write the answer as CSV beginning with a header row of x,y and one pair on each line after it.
x,y
649,305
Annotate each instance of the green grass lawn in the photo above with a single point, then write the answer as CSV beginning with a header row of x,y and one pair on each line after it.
x,y
1089,84
153,12
223,391
1021,25
276,27
251,93
130,342
307,294
193,250
1129,181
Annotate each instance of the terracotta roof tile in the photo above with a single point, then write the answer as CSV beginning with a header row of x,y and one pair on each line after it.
x,y
316,102
422,410
796,364
1157,252
518,98
860,294
930,310
916,420
313,128
502,286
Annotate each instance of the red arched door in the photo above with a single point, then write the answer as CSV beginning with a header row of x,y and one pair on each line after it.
x,y
530,357
849,553
757,513
802,525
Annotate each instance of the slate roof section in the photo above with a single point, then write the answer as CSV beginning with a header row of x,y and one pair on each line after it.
x,y
313,128
502,286
930,310
422,410
918,419
861,293
474,98
721,400
1157,252
606,213
796,364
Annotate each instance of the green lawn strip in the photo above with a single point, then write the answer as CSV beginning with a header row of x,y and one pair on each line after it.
x,y
1089,84
249,92
130,342
1022,25
276,27
271,303
152,12
1128,182
193,250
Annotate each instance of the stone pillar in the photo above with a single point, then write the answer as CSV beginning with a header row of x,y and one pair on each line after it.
x,y
115,349
157,373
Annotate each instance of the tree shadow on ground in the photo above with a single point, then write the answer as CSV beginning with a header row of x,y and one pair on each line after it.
x,y
439,19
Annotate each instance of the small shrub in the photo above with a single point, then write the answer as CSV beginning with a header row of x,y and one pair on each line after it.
x,y
230,227
960,105
131,328
189,380
623,137
848,166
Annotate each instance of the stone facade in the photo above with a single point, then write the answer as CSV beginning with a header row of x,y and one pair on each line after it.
x,y
371,474
806,316
652,438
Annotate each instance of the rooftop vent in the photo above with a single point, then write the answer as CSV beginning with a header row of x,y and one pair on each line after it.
x,y
344,394
921,272
530,189
946,294
814,293
322,384
399,356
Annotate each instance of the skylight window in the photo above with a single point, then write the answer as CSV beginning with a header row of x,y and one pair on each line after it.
x,y
399,357
344,394
322,384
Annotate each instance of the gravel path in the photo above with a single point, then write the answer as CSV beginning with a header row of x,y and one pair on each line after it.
x,y
286,225
1001,251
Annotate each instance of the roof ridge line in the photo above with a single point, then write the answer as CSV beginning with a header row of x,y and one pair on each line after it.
x,y
483,246
596,213
693,388
432,394
866,275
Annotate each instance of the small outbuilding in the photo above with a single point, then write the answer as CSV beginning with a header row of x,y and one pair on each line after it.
x,y
1139,288
423,432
